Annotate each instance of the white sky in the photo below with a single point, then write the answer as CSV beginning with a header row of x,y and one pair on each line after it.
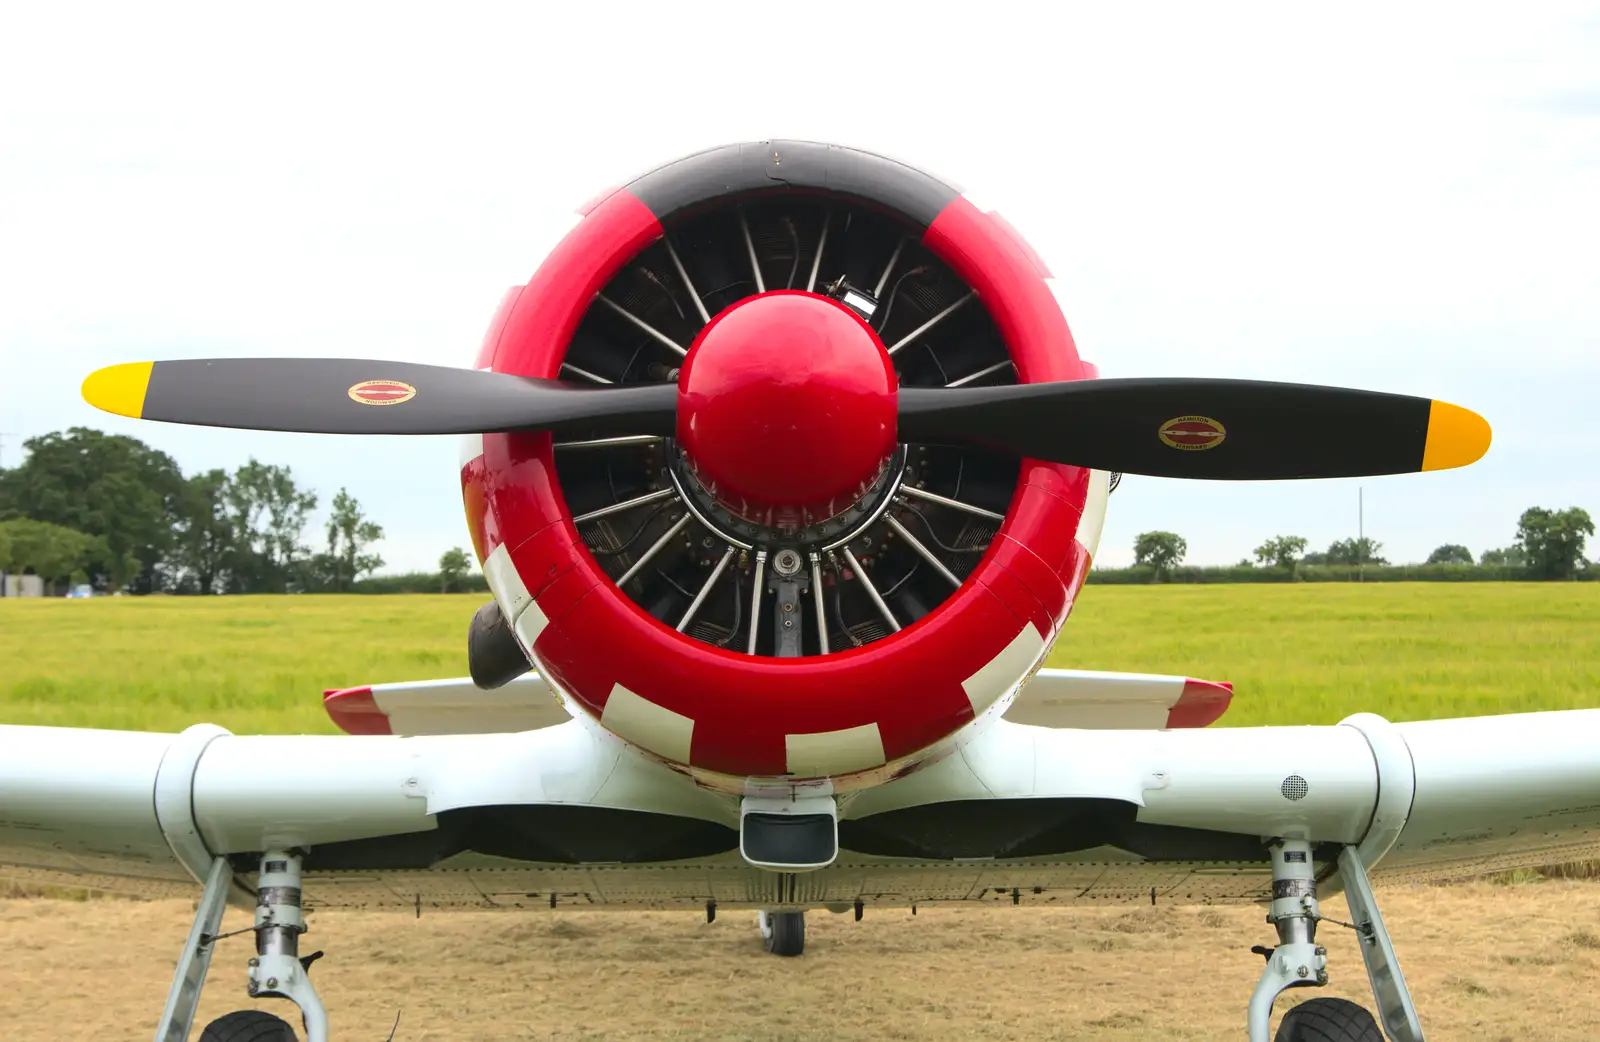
x,y
1403,200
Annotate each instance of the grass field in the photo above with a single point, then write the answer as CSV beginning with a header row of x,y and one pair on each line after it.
x,y
1296,653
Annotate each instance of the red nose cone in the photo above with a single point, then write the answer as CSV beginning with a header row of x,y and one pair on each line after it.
x,y
787,402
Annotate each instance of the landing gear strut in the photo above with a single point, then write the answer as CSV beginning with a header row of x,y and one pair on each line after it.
x,y
1298,961
276,971
783,933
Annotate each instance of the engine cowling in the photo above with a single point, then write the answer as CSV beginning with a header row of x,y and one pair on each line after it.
x,y
782,589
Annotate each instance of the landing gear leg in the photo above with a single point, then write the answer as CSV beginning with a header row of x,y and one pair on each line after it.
x,y
1299,961
184,998
1383,968
277,970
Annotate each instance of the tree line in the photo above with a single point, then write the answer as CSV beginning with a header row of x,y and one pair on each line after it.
x,y
110,511
1549,546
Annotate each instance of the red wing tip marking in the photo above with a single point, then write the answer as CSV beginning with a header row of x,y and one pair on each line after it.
x,y
1202,702
355,711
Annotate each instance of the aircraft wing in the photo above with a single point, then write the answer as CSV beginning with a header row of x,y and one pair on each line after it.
x,y
455,706
568,814
1092,699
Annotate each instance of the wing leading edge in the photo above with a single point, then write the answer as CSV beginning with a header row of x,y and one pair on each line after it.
x,y
1134,701
1051,698
439,707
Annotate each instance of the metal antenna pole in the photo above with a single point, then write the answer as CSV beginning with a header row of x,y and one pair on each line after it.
x,y
1361,533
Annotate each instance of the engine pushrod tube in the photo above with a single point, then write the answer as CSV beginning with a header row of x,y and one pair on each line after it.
x,y
979,375
935,320
755,601
953,504
606,443
584,373
916,544
816,597
705,590
627,504
872,591
653,332
699,305
655,548
750,245
822,244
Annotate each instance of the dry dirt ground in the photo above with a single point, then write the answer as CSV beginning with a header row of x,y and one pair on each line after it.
x,y
1524,961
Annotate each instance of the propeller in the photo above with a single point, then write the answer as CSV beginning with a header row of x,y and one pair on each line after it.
x,y
1238,430
355,396
1229,430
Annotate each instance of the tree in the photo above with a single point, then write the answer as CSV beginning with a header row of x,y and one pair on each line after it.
x,y
1552,541
207,532
1505,557
1355,552
269,518
1450,553
1159,551
349,534
1281,551
112,488
49,551
453,566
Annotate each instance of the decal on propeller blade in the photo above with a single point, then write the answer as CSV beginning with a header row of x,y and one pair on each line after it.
x,y
382,392
1192,433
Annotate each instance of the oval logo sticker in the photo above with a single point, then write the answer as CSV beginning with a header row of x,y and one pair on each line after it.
x,y
382,392
1192,433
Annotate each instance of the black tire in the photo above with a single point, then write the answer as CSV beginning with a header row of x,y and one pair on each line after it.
x,y
785,933
1328,1020
248,1025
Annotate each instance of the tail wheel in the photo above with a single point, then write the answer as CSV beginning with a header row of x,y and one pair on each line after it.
x,y
1328,1020
783,933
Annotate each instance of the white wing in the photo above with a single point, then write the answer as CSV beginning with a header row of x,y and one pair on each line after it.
x,y
455,706
1086,698
566,813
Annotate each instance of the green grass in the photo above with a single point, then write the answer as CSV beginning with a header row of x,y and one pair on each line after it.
x,y
1310,653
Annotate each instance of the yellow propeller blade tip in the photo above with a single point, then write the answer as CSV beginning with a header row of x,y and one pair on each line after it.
x,y
119,388
1456,437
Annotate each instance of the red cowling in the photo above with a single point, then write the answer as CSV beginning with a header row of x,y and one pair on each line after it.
x,y
724,715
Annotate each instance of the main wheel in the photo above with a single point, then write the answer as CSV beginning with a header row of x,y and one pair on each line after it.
x,y
248,1025
783,933
1328,1020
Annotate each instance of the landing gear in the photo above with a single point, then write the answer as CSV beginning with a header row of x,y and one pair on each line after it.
x,y
783,933
276,971
1328,1020
248,1025
1299,962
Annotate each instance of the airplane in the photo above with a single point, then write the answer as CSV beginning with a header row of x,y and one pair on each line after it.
x,y
785,473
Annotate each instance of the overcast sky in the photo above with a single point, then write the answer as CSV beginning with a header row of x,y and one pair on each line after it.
x,y
1397,199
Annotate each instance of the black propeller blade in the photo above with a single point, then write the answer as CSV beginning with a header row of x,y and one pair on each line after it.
x,y
1234,430
1239,430
355,396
